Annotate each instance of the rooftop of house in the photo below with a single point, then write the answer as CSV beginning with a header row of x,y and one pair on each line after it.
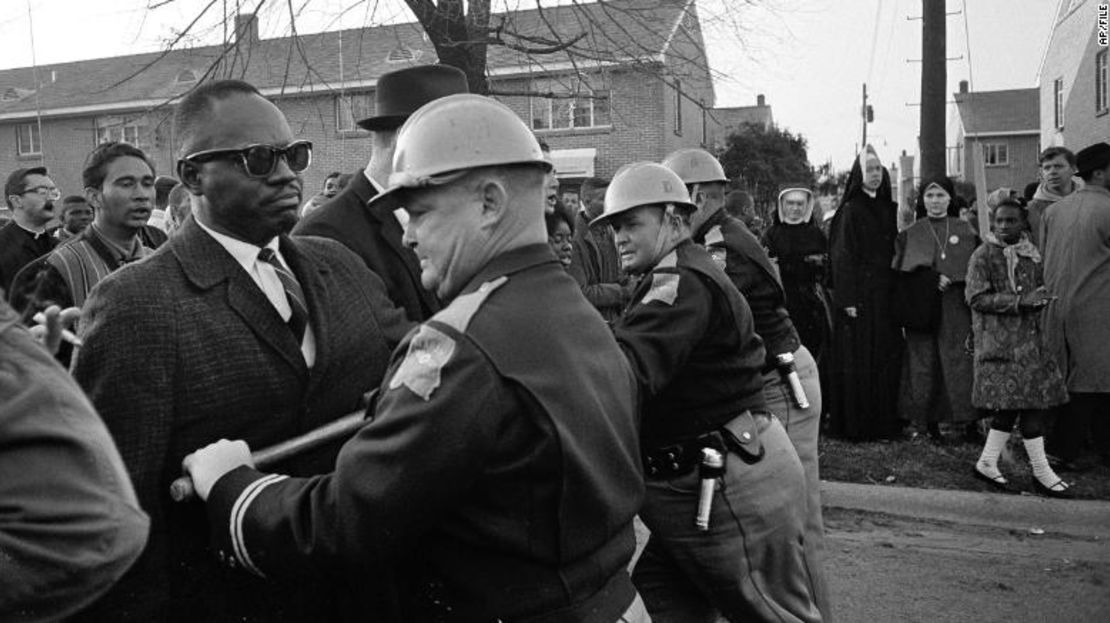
x,y
736,116
987,112
616,31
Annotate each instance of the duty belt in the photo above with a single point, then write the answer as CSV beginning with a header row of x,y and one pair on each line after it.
x,y
740,436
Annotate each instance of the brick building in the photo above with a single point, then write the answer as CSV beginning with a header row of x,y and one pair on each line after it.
x,y
644,90
1006,124
1074,76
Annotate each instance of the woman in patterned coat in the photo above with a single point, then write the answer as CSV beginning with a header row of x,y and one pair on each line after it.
x,y
1015,375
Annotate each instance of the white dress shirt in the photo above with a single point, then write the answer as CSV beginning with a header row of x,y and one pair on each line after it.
x,y
264,275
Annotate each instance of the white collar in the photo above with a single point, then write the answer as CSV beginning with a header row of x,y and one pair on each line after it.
x,y
378,187
29,230
244,252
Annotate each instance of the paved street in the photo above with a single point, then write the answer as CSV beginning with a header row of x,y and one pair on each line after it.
x,y
962,556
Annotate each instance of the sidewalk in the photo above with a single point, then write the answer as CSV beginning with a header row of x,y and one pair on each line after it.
x,y
1080,518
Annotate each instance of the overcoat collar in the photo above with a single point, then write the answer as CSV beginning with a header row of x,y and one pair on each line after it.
x,y
207,264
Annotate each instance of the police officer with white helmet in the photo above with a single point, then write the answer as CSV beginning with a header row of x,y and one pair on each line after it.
x,y
690,338
500,473
791,385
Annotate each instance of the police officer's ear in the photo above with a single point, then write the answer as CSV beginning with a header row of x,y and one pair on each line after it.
x,y
189,174
696,195
493,192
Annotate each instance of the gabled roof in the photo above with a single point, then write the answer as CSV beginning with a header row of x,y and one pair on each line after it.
x,y
995,112
611,31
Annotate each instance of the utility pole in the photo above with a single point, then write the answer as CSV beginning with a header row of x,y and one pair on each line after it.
x,y
868,115
863,113
934,79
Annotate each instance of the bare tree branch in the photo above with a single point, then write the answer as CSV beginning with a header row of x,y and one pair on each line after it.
x,y
164,52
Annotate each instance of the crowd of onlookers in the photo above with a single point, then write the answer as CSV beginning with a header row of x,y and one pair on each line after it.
x,y
923,327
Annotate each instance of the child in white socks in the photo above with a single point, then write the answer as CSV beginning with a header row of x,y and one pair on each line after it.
x,y
1015,376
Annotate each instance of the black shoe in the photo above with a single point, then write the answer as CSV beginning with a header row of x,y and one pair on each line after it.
x,y
1000,483
1063,494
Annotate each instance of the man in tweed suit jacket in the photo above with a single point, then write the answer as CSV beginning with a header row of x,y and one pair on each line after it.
x,y
201,341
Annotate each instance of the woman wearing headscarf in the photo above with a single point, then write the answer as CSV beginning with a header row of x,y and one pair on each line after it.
x,y
801,249
867,346
931,258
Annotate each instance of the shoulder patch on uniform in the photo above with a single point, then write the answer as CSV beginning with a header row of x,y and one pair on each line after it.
x,y
714,236
664,288
457,315
429,350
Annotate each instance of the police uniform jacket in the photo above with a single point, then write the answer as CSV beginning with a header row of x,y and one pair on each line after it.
x,y
745,261
500,472
690,338
70,524
182,349
374,234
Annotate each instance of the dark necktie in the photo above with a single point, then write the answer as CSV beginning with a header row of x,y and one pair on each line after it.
x,y
299,319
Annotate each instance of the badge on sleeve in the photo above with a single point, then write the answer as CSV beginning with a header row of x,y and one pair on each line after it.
x,y
428,352
664,288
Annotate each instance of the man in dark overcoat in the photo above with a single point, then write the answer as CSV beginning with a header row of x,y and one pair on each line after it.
x,y
232,329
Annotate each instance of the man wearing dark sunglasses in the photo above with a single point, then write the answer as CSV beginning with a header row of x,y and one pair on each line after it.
x,y
230,329
30,194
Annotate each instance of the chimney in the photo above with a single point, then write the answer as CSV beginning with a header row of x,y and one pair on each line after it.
x,y
246,28
760,100
963,86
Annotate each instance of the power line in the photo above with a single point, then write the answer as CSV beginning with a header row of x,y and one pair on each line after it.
x,y
874,39
967,44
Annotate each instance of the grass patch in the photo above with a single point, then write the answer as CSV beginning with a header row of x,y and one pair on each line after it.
x,y
923,464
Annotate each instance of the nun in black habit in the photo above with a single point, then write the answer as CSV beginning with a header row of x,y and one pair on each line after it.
x,y
867,344
801,250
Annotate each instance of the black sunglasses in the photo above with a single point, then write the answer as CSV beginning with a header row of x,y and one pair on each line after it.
x,y
260,160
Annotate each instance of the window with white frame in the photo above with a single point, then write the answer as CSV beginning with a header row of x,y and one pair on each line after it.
x,y
568,103
1058,103
120,130
996,154
350,108
28,139
1101,103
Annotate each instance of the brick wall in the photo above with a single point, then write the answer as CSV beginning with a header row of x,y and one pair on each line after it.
x,y
642,128
637,127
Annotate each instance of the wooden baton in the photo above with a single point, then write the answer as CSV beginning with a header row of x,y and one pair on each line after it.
x,y
182,489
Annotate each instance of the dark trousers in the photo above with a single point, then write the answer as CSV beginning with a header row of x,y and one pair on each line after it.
x,y
1032,422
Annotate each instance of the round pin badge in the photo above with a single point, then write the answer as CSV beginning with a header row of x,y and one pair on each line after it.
x,y
954,240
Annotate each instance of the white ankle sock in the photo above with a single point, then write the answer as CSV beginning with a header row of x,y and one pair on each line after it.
x,y
1042,471
988,460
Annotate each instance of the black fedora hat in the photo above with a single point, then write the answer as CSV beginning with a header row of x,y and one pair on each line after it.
x,y
401,92
1092,157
